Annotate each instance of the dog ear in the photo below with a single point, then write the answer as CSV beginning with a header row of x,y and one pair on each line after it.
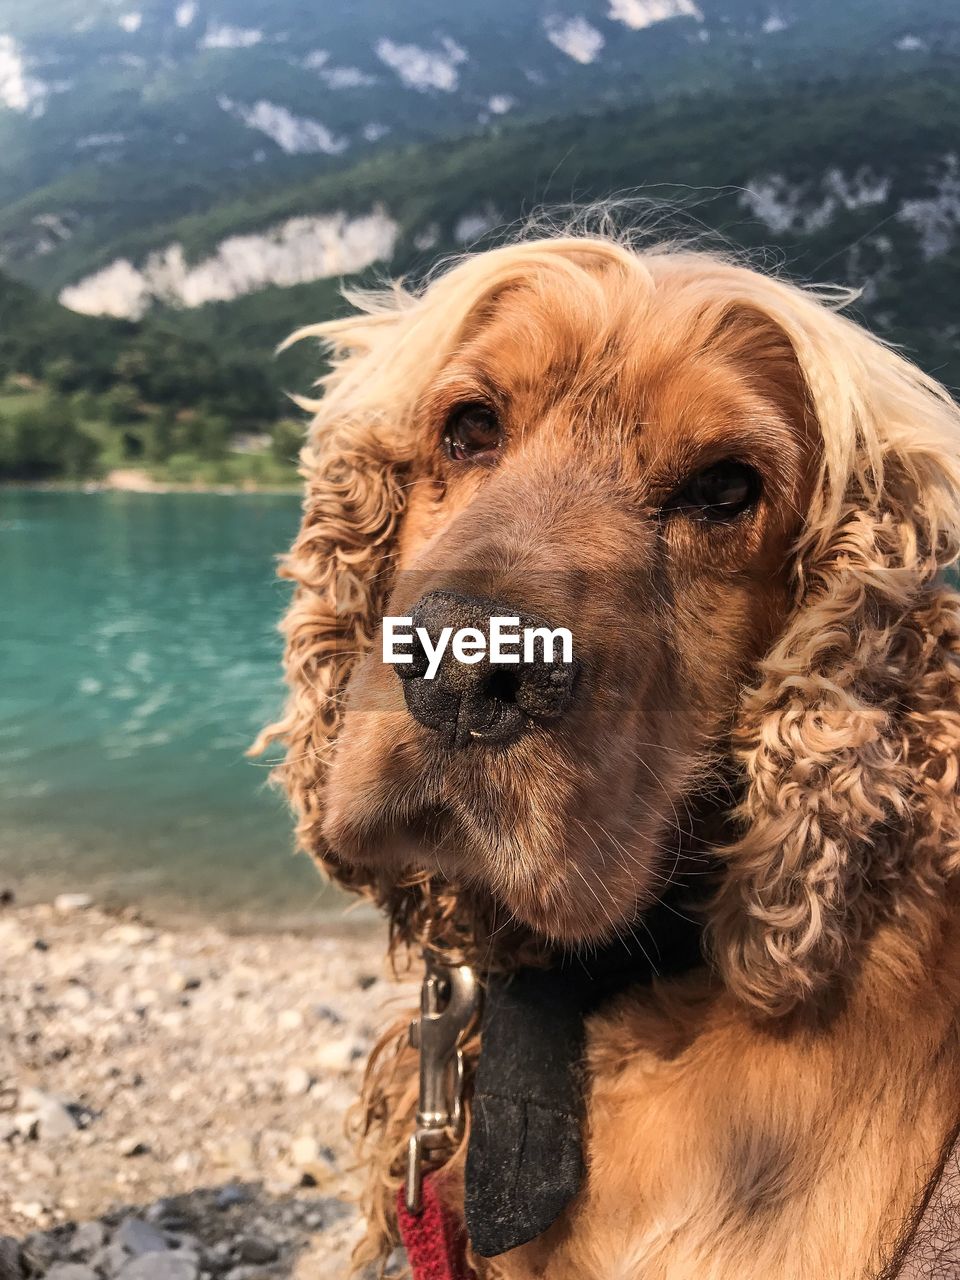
x,y
340,562
849,743
353,463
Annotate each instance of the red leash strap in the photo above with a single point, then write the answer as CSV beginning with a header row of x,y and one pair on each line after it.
x,y
434,1238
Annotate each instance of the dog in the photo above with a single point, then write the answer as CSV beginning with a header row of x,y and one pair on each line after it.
x,y
741,505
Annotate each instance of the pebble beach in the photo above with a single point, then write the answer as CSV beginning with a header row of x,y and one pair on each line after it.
x,y
172,1100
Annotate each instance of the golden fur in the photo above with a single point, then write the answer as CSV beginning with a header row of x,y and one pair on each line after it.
x,y
793,682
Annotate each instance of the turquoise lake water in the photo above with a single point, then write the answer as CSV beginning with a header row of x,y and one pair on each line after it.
x,y
138,657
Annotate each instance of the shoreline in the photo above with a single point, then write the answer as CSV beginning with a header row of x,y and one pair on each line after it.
x,y
190,1079
343,916
129,480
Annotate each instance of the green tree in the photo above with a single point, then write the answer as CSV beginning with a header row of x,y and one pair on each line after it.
x,y
286,440
45,440
122,404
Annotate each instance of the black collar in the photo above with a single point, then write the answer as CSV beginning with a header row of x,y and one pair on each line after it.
x,y
525,1154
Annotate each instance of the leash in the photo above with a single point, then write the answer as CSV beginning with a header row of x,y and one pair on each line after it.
x,y
434,1237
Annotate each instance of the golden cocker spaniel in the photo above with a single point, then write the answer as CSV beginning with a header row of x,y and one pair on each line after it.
x,y
741,505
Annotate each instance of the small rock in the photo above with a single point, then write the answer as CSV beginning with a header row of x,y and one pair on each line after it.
x,y
179,982
256,1249
230,1195
78,999
163,1210
236,1090
305,1151
67,903
335,1056
11,1266
185,1243
297,1082
110,1259
133,1146
366,981
327,1013
396,1264
41,1251
290,1020
332,1209
32,1206
237,1152
160,1266
285,1178
130,935
137,1237
23,1125
87,1239
47,1115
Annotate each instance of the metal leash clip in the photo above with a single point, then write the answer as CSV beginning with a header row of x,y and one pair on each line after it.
x,y
449,999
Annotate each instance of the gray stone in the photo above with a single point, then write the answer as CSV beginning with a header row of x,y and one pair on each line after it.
x,y
160,1266
334,1209
137,1237
10,1266
41,1250
230,1195
50,1116
163,1210
68,903
184,1241
87,1239
256,1249
396,1264
111,1259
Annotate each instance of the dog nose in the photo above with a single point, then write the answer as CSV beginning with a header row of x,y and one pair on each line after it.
x,y
482,701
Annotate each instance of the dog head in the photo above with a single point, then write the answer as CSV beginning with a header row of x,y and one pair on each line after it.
x,y
733,499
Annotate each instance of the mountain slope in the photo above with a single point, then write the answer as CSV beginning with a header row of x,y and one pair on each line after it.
x,y
881,212
120,114
854,181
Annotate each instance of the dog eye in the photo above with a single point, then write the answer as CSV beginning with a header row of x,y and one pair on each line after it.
x,y
472,431
720,492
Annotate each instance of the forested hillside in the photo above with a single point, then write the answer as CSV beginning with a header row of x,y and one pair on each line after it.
x,y
855,181
80,394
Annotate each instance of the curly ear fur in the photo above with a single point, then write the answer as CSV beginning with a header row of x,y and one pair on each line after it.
x,y
848,745
339,562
